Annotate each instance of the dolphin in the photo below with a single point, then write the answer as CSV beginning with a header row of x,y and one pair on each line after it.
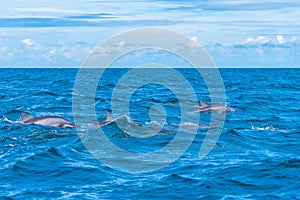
x,y
215,108
141,127
189,125
263,128
108,119
54,121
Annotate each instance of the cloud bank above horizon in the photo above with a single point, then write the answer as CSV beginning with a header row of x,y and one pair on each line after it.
x,y
235,33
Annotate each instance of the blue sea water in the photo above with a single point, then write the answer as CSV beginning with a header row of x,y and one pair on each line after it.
x,y
39,162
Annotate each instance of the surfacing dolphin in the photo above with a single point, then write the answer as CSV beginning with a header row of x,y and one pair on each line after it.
x,y
188,125
263,128
108,119
215,108
54,121
134,124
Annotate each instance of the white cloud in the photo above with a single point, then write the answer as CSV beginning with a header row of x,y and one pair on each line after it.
x,y
28,42
57,12
121,44
294,39
263,39
261,51
259,40
280,39
50,54
76,53
5,53
3,49
48,10
194,41
67,54
248,40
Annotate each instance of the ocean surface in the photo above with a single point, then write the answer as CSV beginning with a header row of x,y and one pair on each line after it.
x,y
248,161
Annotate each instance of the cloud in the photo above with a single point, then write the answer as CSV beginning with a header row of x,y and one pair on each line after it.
x,y
235,5
50,55
225,23
73,55
260,51
36,22
28,42
278,41
263,39
249,40
5,54
76,53
3,49
30,22
194,41
121,44
259,40
32,45
282,40
49,10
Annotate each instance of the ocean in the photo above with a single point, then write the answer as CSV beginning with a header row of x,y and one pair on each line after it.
x,y
248,161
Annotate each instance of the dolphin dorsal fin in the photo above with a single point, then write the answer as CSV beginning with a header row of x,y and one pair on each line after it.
x,y
108,116
202,103
26,117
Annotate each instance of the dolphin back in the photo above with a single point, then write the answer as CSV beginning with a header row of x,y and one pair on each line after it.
x,y
26,117
108,117
54,121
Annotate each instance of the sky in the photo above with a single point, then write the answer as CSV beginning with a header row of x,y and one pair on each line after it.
x,y
235,33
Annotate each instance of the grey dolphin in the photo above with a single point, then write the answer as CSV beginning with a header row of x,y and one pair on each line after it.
x,y
54,121
189,125
215,108
263,128
108,119
142,128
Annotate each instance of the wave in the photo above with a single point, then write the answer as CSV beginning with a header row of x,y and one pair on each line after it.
x,y
290,163
233,132
46,93
243,164
5,119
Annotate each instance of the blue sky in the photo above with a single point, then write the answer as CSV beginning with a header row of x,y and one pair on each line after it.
x,y
235,33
